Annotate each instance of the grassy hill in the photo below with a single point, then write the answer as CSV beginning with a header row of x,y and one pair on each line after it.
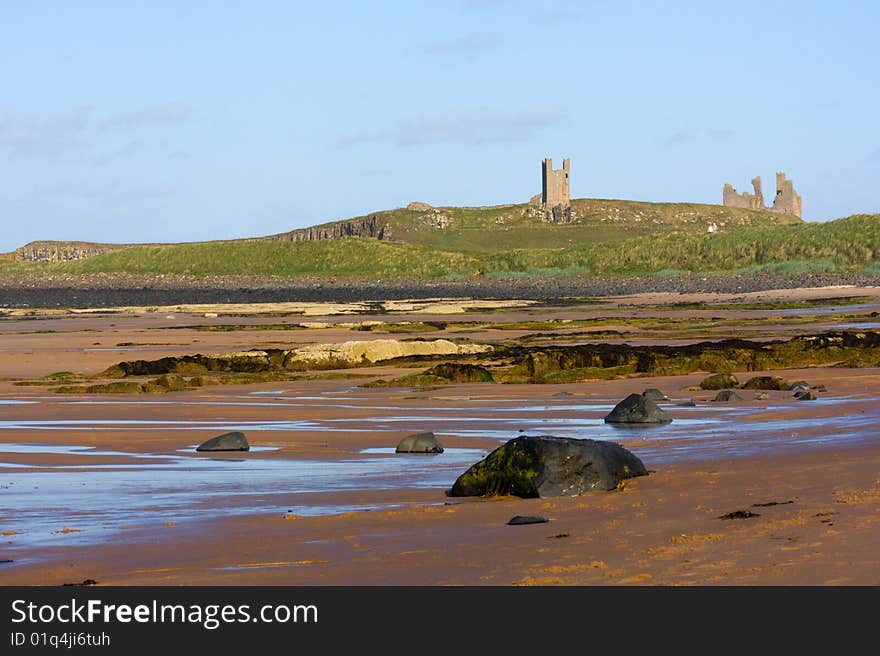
x,y
850,244
507,227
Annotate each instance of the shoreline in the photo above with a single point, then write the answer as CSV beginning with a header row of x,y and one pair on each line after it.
x,y
110,290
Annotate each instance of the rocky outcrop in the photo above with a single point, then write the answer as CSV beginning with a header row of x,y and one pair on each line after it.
x,y
420,443
62,251
461,373
234,441
766,383
374,226
378,350
327,356
548,466
727,396
719,381
637,409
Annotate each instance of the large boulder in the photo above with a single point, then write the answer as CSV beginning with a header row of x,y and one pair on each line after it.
x,y
548,466
766,383
654,394
727,396
637,409
719,381
234,441
420,443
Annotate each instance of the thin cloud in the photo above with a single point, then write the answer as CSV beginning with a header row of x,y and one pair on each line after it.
x,y
473,127
481,5
467,45
50,135
147,117
125,151
689,135
109,189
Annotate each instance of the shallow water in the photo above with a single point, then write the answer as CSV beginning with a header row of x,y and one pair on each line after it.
x,y
150,489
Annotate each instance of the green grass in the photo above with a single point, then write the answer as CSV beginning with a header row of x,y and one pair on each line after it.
x,y
845,245
334,258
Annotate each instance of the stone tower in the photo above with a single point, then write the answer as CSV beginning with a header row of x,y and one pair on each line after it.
x,y
786,201
555,184
555,194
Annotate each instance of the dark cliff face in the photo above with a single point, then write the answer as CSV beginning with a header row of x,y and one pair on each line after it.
x,y
373,226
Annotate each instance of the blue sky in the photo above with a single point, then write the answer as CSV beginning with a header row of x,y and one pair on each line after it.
x,y
168,121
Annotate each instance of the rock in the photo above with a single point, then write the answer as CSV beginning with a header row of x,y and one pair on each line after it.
x,y
739,514
806,395
766,383
799,385
420,443
234,441
377,350
461,373
548,466
522,520
654,394
417,206
85,582
636,409
727,396
690,403
719,381
560,395
762,396
820,388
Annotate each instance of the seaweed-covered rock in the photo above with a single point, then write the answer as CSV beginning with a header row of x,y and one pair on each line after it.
x,y
806,395
548,466
654,394
727,396
461,373
420,443
523,520
637,409
234,441
766,383
799,385
719,381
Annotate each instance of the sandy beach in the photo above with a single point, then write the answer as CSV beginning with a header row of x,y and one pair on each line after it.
x,y
108,486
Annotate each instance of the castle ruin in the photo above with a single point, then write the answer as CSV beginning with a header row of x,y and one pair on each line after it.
x,y
786,200
555,191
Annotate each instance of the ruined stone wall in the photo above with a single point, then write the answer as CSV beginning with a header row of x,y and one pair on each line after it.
x,y
786,200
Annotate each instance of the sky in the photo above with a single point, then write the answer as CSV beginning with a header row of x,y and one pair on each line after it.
x,y
165,121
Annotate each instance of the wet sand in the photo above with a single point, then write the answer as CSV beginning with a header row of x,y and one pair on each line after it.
x,y
322,501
